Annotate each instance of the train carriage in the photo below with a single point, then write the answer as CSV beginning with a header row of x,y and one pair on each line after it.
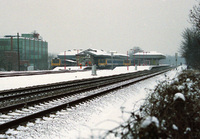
x,y
107,63
127,62
55,62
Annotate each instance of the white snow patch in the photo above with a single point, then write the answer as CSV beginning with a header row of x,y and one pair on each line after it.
x,y
174,127
30,124
11,132
190,85
149,120
179,95
22,128
181,87
188,129
3,136
188,80
78,68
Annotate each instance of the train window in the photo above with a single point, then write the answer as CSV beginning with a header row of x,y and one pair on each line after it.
x,y
109,61
126,61
102,60
55,60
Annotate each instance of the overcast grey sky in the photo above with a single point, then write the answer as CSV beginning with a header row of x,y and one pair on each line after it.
x,y
102,24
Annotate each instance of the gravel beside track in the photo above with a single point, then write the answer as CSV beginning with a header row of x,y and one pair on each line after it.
x,y
38,101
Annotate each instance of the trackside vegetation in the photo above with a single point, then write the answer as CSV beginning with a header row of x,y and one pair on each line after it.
x,y
172,110
190,46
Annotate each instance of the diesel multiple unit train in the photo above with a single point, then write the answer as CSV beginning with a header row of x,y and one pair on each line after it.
x,y
114,62
55,62
103,59
100,63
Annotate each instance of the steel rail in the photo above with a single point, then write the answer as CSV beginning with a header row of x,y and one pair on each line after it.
x,y
68,89
52,85
16,93
16,122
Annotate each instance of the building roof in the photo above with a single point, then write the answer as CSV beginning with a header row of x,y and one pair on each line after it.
x,y
151,54
24,36
97,52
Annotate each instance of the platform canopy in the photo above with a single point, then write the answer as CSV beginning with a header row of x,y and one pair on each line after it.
x,y
100,53
149,55
148,58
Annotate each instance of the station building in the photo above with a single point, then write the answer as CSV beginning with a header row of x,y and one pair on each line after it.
x,y
107,59
32,50
68,57
147,58
92,56
87,57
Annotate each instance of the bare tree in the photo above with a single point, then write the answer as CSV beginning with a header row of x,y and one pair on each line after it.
x,y
190,48
195,16
134,50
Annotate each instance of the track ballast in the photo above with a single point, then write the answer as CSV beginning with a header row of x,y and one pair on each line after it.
x,y
22,105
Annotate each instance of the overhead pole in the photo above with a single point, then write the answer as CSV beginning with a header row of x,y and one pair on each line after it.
x,y
176,57
143,58
127,61
65,60
18,55
134,56
112,59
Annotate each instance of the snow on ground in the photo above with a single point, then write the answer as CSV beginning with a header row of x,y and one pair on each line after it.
x,y
93,118
24,81
70,68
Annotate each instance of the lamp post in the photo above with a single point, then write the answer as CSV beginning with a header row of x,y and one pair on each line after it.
x,y
176,57
143,58
65,60
146,59
18,54
127,61
78,58
134,56
112,59
139,59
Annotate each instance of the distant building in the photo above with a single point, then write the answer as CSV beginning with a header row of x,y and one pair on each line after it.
x,y
68,58
91,56
33,51
107,59
147,58
86,57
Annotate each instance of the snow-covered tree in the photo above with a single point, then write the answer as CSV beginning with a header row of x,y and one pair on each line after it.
x,y
134,50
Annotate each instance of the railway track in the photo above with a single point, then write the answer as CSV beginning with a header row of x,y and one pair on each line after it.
x,y
24,104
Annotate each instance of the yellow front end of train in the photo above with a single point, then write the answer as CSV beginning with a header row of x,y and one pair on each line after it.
x,y
55,62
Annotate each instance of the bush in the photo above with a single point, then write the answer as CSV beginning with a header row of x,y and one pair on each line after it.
x,y
172,110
